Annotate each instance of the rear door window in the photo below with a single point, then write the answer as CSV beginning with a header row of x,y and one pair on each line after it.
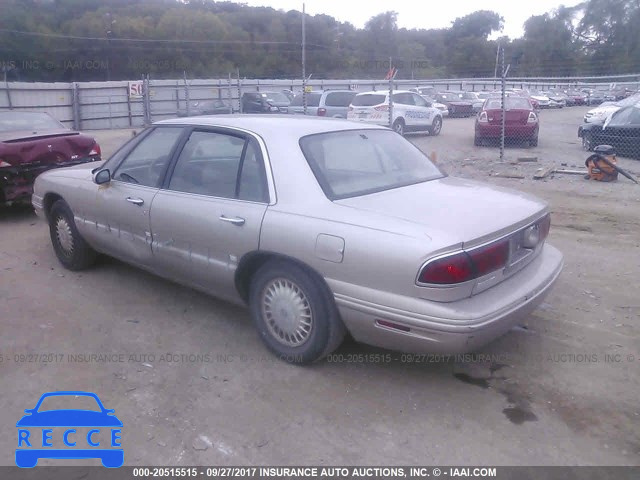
x,y
368,99
339,99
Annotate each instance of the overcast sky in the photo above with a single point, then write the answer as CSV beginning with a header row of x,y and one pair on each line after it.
x,y
422,13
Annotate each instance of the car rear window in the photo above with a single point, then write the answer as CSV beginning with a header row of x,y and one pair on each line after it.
x,y
357,162
510,103
313,100
339,99
368,99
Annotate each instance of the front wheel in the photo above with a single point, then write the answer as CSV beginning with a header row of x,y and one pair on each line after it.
x,y
436,126
71,249
294,312
587,141
398,126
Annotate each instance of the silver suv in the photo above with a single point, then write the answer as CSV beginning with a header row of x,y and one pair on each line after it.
x,y
324,103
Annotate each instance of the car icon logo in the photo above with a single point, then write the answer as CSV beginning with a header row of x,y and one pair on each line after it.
x,y
69,433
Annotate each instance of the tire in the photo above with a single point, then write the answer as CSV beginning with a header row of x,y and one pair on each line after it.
x,y
436,127
296,293
398,126
587,141
533,142
73,252
477,141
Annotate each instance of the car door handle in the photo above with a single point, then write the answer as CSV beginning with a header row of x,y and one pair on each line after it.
x,y
135,201
235,220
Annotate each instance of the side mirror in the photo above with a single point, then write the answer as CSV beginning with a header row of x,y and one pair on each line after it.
x,y
102,177
29,410
429,104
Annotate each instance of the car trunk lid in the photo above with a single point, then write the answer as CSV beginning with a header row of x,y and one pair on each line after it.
x,y
51,147
514,117
453,210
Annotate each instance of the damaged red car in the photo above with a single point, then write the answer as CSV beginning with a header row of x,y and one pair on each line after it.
x,y
33,142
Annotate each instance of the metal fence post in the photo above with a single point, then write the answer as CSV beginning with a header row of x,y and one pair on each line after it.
x,y
75,106
145,100
239,91
229,94
502,102
390,94
186,94
6,86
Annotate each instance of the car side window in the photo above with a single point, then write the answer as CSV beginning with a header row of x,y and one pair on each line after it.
x,y
252,184
145,164
403,98
209,165
339,99
419,101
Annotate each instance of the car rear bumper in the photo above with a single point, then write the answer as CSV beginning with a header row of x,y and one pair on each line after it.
x,y
381,119
456,327
16,183
511,131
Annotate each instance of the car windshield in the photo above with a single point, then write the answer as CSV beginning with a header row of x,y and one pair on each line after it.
x,y
450,96
313,99
510,103
33,121
368,99
276,97
357,162
632,100
69,402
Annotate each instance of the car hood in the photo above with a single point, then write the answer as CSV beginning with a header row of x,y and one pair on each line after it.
x,y
454,210
31,135
69,418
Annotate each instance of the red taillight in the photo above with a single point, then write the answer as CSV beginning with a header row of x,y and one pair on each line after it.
x,y
382,108
455,268
464,266
95,150
322,112
544,227
490,258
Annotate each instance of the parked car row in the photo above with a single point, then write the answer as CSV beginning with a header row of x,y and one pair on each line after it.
x,y
620,129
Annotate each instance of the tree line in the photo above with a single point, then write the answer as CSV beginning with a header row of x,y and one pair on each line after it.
x,y
86,40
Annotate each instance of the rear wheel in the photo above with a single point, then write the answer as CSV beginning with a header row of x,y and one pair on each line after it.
x,y
294,312
398,126
478,141
587,141
71,249
436,126
533,142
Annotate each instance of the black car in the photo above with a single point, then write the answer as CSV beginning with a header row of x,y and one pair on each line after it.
x,y
265,102
205,107
621,130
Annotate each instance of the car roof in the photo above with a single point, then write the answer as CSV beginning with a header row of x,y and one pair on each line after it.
x,y
271,127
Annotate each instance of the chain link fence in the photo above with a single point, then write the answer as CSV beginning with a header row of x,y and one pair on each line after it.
x,y
507,111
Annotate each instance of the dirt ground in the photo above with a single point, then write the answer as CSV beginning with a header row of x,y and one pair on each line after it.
x,y
192,383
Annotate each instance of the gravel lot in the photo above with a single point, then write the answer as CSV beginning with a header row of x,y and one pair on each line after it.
x,y
561,389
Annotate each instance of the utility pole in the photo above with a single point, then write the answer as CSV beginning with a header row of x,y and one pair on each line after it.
x,y
503,88
304,63
109,33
